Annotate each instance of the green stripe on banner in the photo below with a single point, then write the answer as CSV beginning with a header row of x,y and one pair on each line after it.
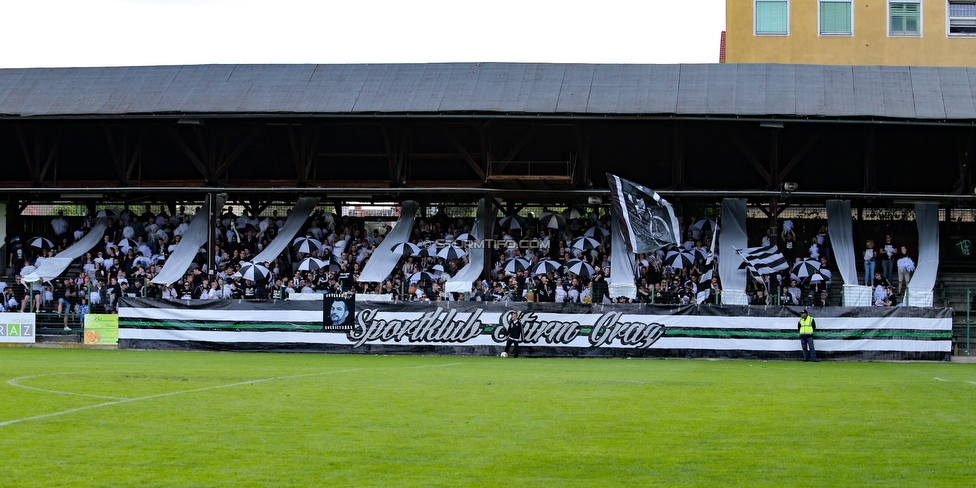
x,y
845,334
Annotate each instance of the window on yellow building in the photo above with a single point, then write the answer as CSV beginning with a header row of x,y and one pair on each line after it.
x,y
962,18
836,17
772,17
904,18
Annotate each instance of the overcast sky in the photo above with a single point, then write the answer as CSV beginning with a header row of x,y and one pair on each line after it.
x,y
59,33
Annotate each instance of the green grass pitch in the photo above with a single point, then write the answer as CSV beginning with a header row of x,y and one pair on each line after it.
x,y
160,418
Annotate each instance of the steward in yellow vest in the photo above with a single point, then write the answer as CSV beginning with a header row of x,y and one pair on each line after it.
x,y
806,326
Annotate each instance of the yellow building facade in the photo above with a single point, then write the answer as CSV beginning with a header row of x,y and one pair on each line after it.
x,y
852,32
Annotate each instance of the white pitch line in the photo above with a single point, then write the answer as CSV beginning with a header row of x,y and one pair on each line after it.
x,y
940,379
195,390
15,382
971,382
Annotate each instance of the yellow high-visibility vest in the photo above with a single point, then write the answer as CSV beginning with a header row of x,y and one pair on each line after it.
x,y
806,325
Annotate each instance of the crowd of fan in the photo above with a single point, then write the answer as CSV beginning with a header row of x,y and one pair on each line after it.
x,y
135,246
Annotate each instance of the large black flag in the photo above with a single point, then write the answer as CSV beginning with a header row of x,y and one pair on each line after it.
x,y
648,220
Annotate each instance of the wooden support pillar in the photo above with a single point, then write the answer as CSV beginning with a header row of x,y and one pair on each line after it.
x,y
488,226
870,157
678,161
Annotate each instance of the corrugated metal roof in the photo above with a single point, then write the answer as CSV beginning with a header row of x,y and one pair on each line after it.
x,y
892,92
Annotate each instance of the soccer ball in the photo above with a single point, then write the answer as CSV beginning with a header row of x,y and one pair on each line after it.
x,y
504,354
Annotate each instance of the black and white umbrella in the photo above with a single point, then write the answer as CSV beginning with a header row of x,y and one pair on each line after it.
x,y
254,272
596,232
552,220
816,278
426,252
126,244
573,212
707,226
40,242
579,267
512,222
108,213
546,266
306,245
422,276
437,268
514,265
585,243
406,249
451,253
679,259
464,238
312,264
806,268
700,254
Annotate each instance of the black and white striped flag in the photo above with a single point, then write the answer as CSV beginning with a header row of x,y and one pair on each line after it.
x,y
764,260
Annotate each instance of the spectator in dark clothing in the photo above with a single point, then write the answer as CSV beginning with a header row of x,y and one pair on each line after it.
x,y
600,287
514,333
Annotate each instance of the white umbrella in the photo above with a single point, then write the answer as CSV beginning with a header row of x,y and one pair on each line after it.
x,y
516,264
40,243
254,272
306,245
311,264
579,267
451,253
